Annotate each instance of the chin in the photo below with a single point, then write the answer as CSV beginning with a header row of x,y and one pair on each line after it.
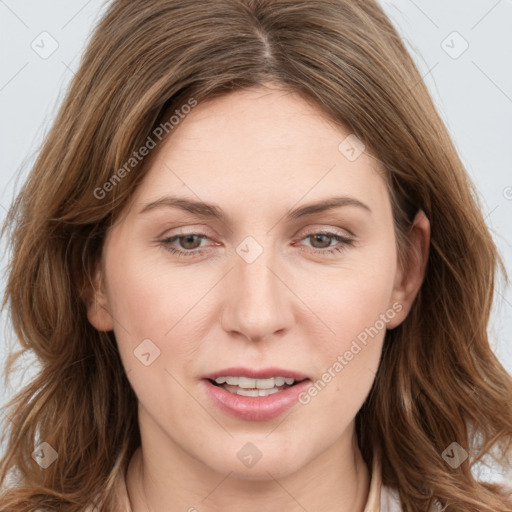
x,y
267,464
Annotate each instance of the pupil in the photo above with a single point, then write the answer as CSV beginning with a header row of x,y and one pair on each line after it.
x,y
319,237
188,239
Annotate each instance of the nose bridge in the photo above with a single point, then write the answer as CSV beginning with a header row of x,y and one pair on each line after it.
x,y
257,302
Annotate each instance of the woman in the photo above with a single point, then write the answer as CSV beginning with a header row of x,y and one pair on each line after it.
x,y
255,273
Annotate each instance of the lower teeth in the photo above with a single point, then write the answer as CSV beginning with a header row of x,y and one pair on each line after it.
x,y
252,392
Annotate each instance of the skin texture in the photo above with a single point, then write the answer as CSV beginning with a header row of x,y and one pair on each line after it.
x,y
256,154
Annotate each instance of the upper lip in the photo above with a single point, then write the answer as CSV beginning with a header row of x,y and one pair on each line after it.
x,y
262,373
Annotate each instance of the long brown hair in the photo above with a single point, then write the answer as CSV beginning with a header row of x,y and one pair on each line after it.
x,y
438,382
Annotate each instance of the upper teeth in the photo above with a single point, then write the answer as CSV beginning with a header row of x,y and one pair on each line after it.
x,y
246,382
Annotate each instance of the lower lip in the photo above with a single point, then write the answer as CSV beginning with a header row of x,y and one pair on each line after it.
x,y
255,408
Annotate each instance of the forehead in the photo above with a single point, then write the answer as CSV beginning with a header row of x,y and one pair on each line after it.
x,y
264,146
260,120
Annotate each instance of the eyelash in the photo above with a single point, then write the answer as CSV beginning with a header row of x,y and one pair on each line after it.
x,y
346,242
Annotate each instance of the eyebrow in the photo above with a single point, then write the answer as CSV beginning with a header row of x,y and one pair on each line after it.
x,y
208,210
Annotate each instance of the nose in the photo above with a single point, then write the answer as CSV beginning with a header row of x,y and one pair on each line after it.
x,y
258,302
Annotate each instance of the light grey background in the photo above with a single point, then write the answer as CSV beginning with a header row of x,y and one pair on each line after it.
x,y
471,86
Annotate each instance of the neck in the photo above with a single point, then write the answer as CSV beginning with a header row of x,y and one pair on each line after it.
x,y
335,481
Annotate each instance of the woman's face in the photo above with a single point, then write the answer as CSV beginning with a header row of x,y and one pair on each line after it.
x,y
228,263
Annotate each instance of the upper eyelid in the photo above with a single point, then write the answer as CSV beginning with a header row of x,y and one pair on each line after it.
x,y
187,230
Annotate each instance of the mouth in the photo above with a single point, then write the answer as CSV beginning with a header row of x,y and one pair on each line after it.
x,y
255,395
246,386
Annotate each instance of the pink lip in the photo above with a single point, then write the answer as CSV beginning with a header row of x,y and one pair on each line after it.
x,y
264,373
255,408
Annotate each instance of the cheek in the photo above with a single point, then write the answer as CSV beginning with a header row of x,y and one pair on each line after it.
x,y
146,294
156,312
353,297
354,306
151,324
359,303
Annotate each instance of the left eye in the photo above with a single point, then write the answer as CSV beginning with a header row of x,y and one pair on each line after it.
x,y
191,243
342,242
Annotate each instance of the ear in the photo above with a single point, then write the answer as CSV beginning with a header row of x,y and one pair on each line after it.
x,y
409,276
98,307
